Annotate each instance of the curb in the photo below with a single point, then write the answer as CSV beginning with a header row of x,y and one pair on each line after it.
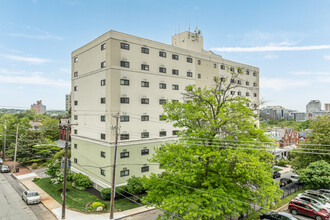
x,y
137,213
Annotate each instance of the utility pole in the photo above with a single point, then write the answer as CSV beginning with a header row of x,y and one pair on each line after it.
x,y
4,142
68,127
114,170
15,149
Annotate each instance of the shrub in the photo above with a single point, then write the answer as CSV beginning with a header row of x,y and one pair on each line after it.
x,y
61,154
97,204
34,166
282,163
105,193
121,192
81,188
53,167
81,180
36,179
135,186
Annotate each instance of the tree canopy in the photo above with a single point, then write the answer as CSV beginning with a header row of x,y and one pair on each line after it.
x,y
218,167
316,175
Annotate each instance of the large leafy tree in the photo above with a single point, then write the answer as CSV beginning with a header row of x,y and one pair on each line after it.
x,y
49,128
316,175
218,167
316,146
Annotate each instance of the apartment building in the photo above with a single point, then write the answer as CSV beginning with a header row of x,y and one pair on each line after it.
x,y
39,107
133,76
67,102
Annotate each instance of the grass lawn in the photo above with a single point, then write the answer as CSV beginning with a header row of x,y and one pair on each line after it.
x,y
277,169
76,199
277,205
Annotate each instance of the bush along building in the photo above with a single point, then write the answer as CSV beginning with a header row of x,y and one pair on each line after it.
x,y
133,76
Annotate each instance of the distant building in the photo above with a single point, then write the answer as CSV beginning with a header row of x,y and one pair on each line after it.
x,y
276,113
299,116
313,106
35,124
39,107
67,102
327,107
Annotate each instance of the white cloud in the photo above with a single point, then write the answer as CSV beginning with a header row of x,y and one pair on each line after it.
x,y
11,72
270,48
270,57
31,60
303,73
327,57
39,37
279,84
35,80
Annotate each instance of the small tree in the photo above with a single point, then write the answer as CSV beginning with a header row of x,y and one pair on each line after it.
x,y
316,175
53,168
135,186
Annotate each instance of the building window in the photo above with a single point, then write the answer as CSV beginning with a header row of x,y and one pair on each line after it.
x,y
162,69
124,46
175,87
75,131
103,65
247,94
255,84
222,79
75,146
103,82
162,133
103,46
144,50
175,57
75,117
254,94
102,172
145,152
232,69
144,169
175,72
144,84
232,92
124,82
175,100
75,60
247,72
144,117
75,74
145,67
124,100
75,88
124,118
144,101
162,54
239,82
223,67
102,154
75,102
254,73
144,134
189,59
215,65
199,62
162,101
162,85
124,64
189,74
75,160
162,117
247,83
102,118
103,100
232,81
103,136
199,76
124,173
124,154
124,136
175,132
239,93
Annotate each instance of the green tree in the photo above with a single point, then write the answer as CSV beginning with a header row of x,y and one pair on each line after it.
x,y
316,175
49,128
318,140
209,173
135,186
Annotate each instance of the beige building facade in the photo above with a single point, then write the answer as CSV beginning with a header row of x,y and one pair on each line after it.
x,y
133,76
39,107
67,102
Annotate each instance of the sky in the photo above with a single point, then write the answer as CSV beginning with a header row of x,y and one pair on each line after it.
x,y
288,40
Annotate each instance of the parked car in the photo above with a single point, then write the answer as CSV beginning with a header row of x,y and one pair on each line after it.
x,y
325,191
276,174
285,182
314,200
294,178
317,194
4,169
1,161
277,215
31,197
308,209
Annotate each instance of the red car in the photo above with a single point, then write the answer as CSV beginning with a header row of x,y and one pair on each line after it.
x,y
308,209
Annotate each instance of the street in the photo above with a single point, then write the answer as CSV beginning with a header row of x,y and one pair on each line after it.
x,y
151,215
38,211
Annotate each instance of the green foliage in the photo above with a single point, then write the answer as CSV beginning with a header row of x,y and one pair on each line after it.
x,y
81,180
121,192
58,178
49,128
74,185
205,176
53,167
316,175
97,204
34,166
135,186
282,163
61,154
106,193
318,139
297,125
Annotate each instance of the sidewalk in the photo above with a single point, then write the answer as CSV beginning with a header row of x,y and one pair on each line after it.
x,y
284,169
26,178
